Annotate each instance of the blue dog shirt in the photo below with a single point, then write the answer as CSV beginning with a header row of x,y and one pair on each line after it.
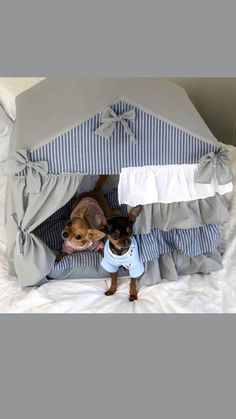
x,y
130,260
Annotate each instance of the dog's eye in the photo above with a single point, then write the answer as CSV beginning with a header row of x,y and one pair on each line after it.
x,y
69,223
129,229
115,234
107,229
78,237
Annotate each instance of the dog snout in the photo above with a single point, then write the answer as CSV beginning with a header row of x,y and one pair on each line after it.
x,y
65,235
126,242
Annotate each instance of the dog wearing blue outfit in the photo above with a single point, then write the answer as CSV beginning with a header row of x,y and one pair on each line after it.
x,y
130,260
121,249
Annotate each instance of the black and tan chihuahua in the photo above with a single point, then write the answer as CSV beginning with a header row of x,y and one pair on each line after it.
x,y
121,249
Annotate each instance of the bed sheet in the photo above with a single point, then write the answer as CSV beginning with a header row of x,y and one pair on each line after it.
x,y
212,293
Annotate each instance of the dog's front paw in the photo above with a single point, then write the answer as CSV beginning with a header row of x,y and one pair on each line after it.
x,y
109,292
60,256
133,297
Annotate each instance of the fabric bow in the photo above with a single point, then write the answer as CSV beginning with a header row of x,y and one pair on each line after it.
x,y
34,170
109,120
214,164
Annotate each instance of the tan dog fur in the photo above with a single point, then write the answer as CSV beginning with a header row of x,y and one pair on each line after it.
x,y
79,225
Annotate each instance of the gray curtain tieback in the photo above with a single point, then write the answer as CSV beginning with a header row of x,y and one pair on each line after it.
x,y
34,170
19,237
214,164
109,120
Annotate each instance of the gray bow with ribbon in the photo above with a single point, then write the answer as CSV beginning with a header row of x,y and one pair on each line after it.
x,y
34,170
109,120
214,164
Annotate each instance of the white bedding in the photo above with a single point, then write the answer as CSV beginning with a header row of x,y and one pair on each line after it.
x,y
214,293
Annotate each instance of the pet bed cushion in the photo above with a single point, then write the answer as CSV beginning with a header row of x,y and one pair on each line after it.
x,y
168,267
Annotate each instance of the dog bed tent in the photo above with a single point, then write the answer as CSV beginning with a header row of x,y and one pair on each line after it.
x,y
147,132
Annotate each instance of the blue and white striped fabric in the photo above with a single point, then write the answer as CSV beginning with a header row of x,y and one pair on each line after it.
x,y
158,143
83,260
50,230
191,242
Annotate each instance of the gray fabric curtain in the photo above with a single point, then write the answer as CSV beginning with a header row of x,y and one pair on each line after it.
x,y
29,258
192,214
174,264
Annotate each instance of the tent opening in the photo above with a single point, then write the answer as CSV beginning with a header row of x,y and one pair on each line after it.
x,y
50,230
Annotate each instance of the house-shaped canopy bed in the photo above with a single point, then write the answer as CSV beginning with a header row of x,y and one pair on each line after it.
x,y
148,137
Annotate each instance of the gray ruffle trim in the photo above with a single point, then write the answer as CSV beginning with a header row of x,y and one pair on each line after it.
x,y
172,265
192,214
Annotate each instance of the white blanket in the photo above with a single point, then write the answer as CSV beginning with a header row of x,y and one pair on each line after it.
x,y
213,293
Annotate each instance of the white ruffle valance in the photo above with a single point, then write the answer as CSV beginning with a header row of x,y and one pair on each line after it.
x,y
165,184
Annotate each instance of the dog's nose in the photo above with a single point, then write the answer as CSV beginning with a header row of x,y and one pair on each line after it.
x,y
65,235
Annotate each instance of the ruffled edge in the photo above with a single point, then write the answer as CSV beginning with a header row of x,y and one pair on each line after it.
x,y
173,265
165,184
191,242
182,215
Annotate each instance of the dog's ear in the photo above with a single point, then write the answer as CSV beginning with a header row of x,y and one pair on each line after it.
x,y
134,212
94,234
82,211
100,220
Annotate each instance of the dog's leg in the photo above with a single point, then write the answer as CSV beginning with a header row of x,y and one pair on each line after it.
x,y
101,251
100,182
60,256
133,295
113,286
